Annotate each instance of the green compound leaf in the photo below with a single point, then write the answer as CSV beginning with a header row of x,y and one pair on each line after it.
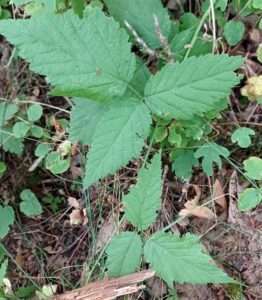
x,y
241,136
211,153
118,138
7,217
124,254
30,205
34,112
144,199
234,32
85,116
182,260
194,86
140,15
42,150
87,57
253,167
249,199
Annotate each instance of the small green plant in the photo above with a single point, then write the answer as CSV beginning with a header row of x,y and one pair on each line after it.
x,y
122,111
174,258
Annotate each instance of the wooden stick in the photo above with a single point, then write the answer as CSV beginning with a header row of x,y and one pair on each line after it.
x,y
109,289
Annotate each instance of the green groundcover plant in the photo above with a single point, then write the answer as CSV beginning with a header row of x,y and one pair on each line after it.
x,y
121,108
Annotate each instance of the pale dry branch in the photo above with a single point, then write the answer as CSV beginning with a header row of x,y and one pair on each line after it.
x,y
109,289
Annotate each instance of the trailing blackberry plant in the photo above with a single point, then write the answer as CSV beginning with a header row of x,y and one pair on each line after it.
x,y
123,110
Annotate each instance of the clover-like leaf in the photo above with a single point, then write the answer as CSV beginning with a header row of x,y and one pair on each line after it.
x,y
253,167
242,136
30,205
34,112
250,198
56,164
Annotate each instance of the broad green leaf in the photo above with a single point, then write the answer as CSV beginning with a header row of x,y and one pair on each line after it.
x,y
183,162
182,90
3,270
42,150
211,153
174,138
78,7
20,129
30,205
56,164
7,111
253,167
7,217
85,117
234,32
118,138
34,112
144,199
249,199
182,260
241,136
124,254
140,15
87,57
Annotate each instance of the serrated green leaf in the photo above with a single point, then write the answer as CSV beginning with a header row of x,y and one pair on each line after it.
x,y
20,129
253,167
182,260
30,205
3,270
211,153
7,217
140,15
182,90
241,136
234,32
85,117
249,199
87,57
118,138
183,162
34,112
144,199
124,254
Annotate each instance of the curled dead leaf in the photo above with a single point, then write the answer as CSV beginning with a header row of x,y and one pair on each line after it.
x,y
192,208
73,202
78,217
